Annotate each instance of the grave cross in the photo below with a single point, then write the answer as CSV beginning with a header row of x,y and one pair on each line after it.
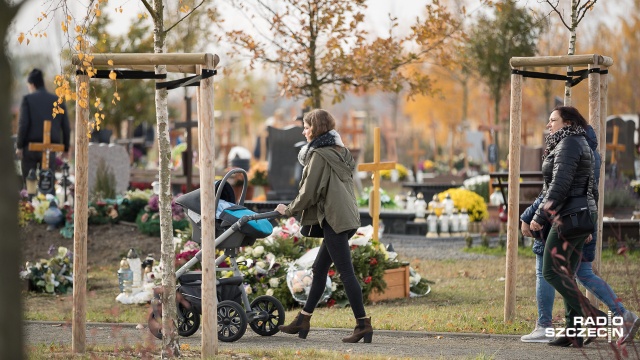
x,y
187,163
130,140
614,146
351,132
375,167
415,153
46,146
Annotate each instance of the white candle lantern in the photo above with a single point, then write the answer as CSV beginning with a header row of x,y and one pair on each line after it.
x,y
421,208
454,223
443,221
411,198
432,225
464,221
448,205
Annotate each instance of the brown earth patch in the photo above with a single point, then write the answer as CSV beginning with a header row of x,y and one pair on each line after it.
x,y
106,244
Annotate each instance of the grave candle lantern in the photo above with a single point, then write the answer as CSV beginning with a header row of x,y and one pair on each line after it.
x,y
32,183
421,208
432,225
125,276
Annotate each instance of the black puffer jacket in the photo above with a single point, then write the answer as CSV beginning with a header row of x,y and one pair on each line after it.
x,y
567,171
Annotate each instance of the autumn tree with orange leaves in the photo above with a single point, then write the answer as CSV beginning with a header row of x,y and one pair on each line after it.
x,y
320,49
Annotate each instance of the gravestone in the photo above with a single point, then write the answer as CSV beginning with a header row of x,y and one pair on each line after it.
x,y
530,158
475,151
116,158
284,170
627,131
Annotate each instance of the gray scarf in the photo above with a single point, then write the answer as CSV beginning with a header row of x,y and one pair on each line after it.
x,y
329,138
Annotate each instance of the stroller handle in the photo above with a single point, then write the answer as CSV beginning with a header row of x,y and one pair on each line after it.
x,y
267,215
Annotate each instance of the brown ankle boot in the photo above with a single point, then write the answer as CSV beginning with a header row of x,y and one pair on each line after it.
x,y
300,325
363,330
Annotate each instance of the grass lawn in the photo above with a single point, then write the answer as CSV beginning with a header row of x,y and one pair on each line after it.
x,y
468,296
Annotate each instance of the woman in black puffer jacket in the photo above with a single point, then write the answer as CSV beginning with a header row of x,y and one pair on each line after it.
x,y
568,170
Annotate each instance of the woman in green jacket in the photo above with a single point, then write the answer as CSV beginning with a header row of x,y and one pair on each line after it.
x,y
326,201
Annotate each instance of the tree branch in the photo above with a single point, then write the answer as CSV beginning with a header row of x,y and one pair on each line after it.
x,y
184,17
150,9
555,9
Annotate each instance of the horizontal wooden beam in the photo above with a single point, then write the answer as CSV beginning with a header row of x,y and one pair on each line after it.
x,y
151,59
563,60
186,69
377,166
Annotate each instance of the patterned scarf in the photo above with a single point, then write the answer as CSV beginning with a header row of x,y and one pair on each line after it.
x,y
329,138
552,140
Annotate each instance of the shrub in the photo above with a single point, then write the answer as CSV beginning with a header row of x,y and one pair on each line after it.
x,y
105,187
469,200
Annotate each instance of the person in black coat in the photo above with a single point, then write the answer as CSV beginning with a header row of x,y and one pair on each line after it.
x,y
37,107
568,171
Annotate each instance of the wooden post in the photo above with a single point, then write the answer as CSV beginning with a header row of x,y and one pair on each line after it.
x,y
206,136
595,120
375,167
390,137
600,130
47,147
415,153
80,217
513,198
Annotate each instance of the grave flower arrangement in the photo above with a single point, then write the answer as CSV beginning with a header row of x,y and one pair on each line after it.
x,y
385,200
133,203
103,212
148,220
469,200
258,174
53,275
270,266
402,173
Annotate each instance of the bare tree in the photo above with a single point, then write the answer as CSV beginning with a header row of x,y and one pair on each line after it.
x,y
578,11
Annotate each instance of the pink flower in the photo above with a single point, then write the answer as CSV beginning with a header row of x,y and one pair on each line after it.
x,y
367,280
144,217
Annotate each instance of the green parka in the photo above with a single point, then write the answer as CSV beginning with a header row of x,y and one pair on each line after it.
x,y
326,190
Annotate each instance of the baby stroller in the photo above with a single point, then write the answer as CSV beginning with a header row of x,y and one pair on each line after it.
x,y
237,227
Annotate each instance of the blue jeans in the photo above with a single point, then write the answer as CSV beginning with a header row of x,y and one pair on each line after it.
x,y
545,293
599,288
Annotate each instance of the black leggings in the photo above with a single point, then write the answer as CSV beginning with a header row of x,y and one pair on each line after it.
x,y
335,249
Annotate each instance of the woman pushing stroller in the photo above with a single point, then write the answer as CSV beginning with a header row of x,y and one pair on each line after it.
x,y
327,203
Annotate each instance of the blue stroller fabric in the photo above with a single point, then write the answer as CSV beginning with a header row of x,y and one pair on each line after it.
x,y
254,228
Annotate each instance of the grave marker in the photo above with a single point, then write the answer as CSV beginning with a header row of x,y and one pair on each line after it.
x,y
115,157
375,167
284,170
187,156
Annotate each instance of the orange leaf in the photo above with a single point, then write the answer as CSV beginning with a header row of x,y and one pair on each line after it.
x,y
110,62
21,38
112,75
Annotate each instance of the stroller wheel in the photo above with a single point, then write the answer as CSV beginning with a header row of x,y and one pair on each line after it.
x,y
232,321
188,321
270,315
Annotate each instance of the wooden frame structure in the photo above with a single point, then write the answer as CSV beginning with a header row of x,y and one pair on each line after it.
x,y
597,117
179,63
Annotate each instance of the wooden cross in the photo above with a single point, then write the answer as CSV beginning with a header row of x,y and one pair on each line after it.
x,y
375,167
46,146
130,140
465,146
415,153
225,138
614,146
187,164
351,132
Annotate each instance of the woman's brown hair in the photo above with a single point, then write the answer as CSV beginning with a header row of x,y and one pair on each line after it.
x,y
320,121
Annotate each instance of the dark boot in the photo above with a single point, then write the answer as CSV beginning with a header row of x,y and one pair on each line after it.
x,y
567,341
300,325
363,329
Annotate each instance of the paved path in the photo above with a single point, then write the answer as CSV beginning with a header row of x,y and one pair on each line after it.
x,y
394,344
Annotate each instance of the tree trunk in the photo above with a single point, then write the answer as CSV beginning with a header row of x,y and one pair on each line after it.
x,y
10,251
572,48
170,345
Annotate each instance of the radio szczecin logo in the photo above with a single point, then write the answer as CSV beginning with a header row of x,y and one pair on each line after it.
x,y
590,327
